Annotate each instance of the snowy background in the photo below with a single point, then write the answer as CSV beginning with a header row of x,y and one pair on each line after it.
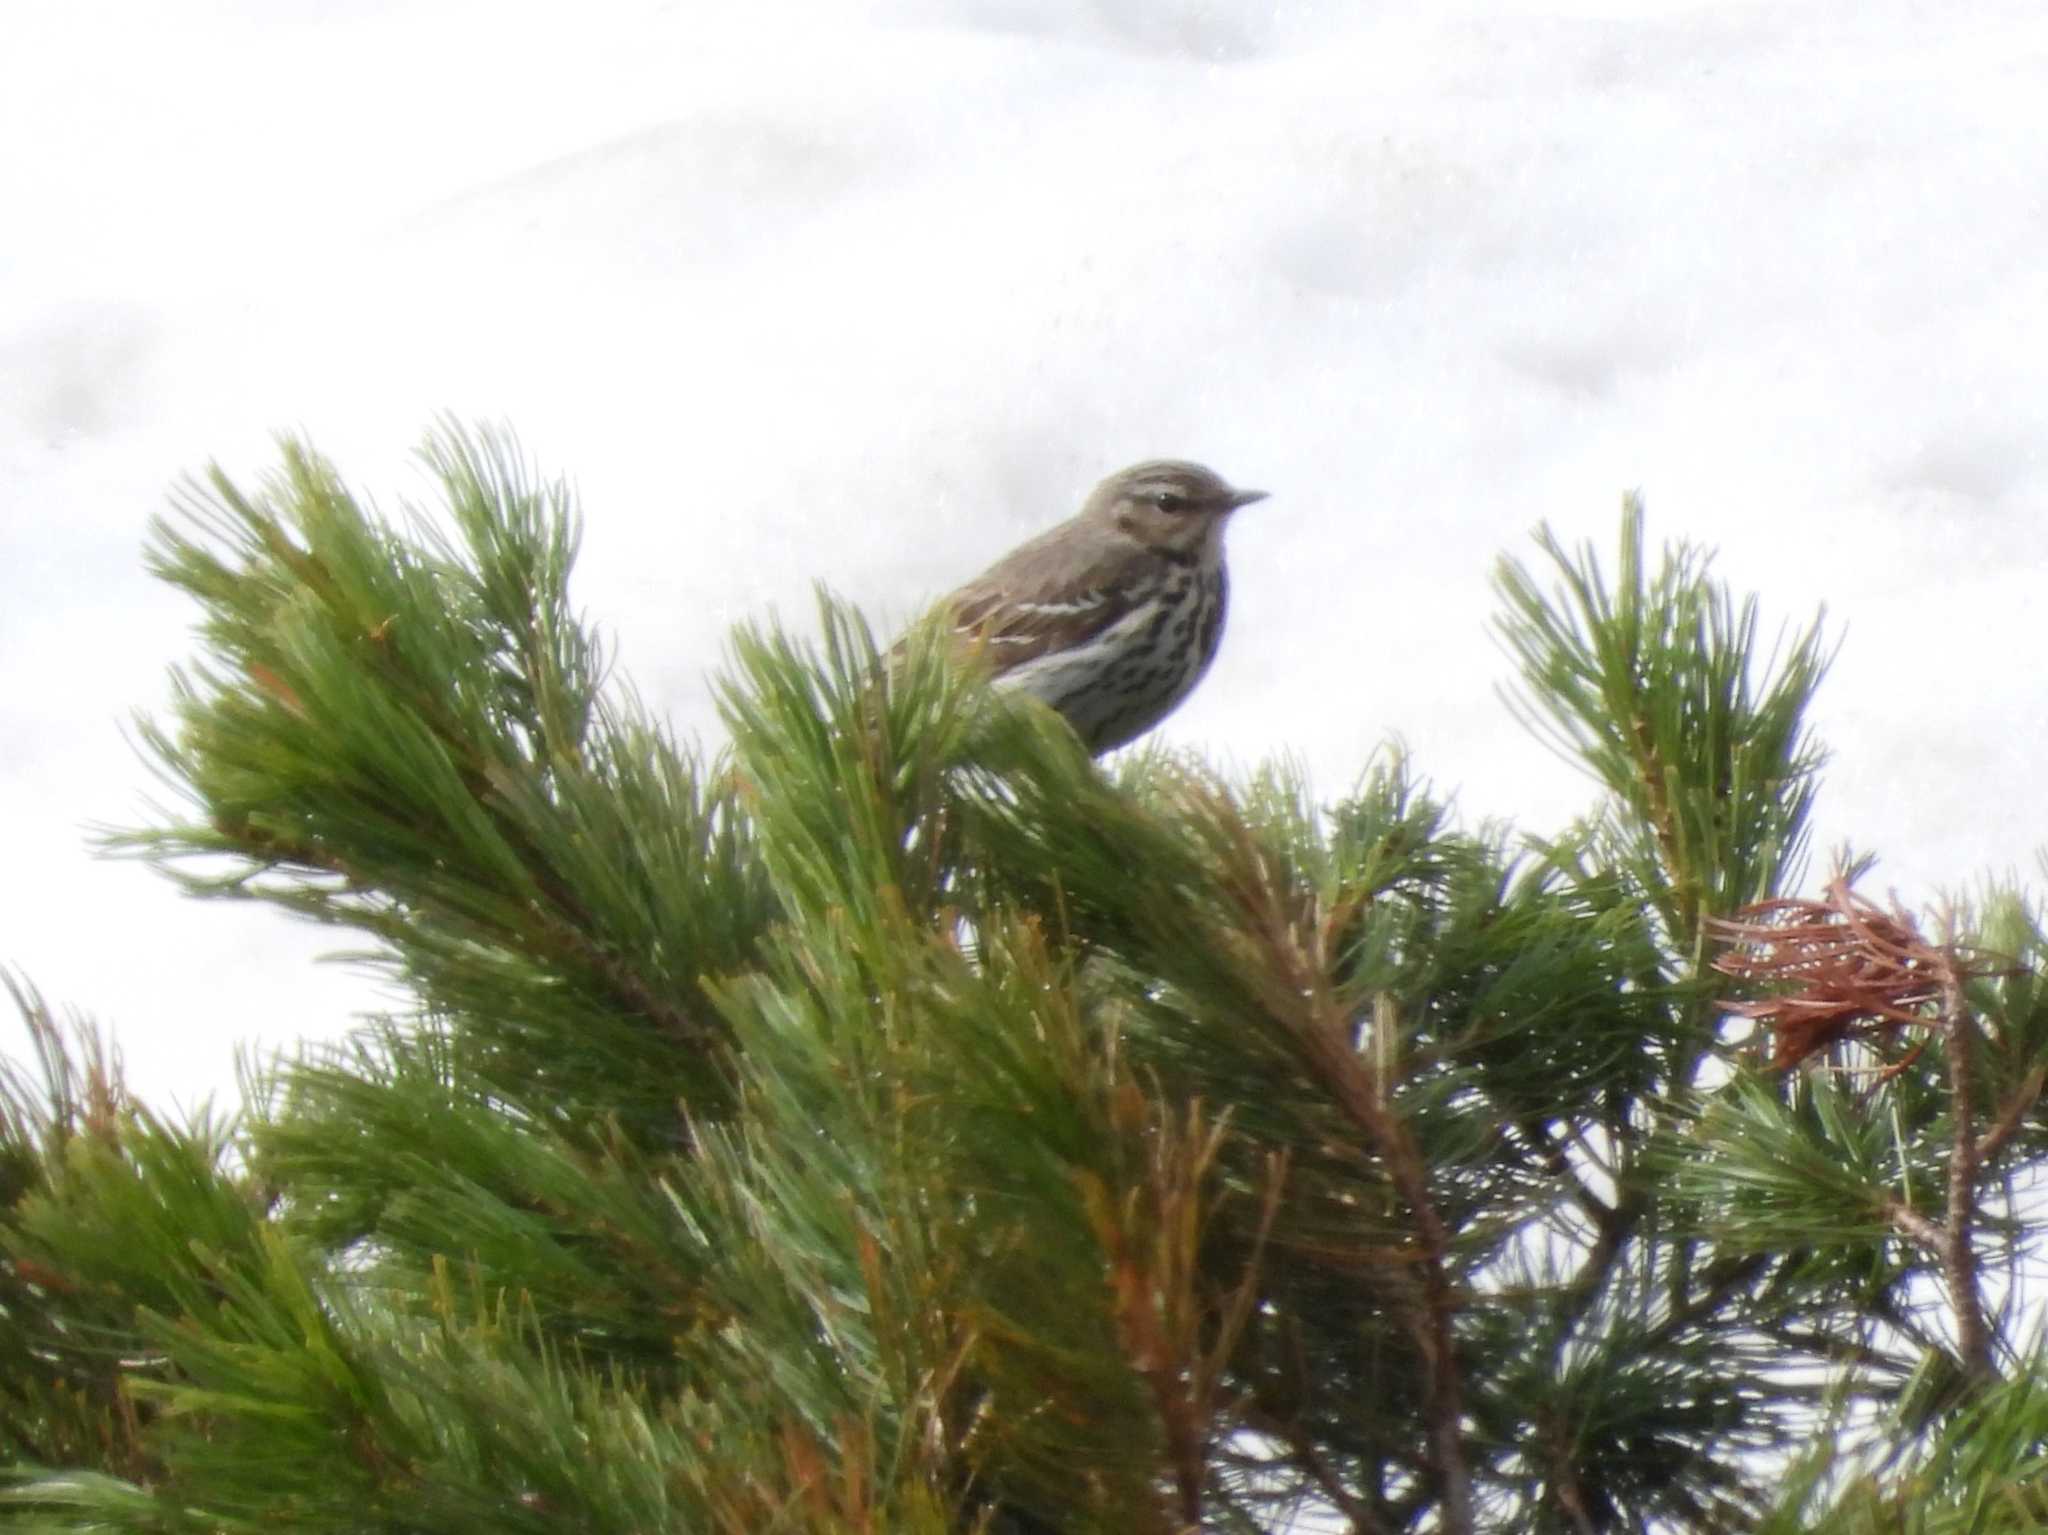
x,y
868,290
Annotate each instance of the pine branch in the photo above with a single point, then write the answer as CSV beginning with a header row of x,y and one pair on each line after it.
x,y
402,730
1848,969
905,1123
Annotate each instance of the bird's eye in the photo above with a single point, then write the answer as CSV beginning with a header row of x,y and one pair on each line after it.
x,y
1170,501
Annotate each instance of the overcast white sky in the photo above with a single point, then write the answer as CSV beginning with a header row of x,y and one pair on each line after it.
x,y
868,290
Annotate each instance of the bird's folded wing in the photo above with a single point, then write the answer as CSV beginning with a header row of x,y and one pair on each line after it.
x,y
1016,626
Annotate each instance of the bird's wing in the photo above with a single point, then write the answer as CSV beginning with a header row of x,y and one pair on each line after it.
x,y
1046,595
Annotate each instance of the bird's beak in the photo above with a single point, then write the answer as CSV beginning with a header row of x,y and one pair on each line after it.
x,y
1240,498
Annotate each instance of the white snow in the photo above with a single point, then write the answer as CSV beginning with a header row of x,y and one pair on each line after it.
x,y
868,292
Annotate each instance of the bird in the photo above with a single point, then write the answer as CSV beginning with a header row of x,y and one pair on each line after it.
x,y
1111,617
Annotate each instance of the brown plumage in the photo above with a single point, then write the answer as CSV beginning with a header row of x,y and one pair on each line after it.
x,y
1113,616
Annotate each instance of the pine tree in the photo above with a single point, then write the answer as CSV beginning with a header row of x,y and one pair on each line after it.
x,y
895,1121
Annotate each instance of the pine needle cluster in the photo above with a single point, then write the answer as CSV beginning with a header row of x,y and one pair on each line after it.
x,y
893,1121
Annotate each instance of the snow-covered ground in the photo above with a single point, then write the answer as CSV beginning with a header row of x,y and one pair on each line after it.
x,y
867,290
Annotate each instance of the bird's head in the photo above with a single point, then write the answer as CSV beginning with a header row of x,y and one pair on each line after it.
x,y
1168,504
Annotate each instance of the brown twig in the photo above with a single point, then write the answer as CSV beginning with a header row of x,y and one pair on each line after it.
x,y
1848,1351
2012,1116
1307,1454
1571,1497
1948,1242
1359,1093
1596,1210
1151,1238
1725,1277
1959,1253
1922,1230
1289,933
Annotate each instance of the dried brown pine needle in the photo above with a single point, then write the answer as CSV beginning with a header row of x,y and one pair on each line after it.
x,y
1848,967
